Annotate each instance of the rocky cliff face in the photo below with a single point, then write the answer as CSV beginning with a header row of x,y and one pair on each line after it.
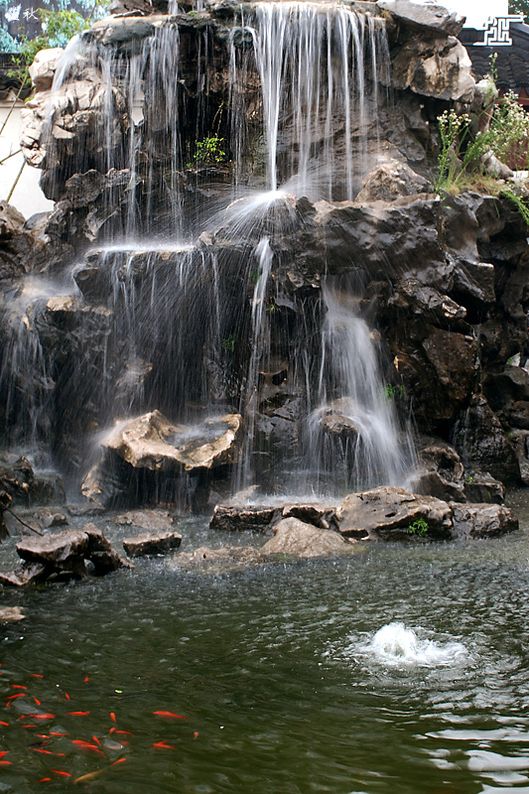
x,y
442,281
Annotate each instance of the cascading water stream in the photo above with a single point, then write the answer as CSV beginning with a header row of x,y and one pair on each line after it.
x,y
319,66
354,427
260,341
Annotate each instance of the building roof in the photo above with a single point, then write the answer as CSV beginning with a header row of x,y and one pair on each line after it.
x,y
512,62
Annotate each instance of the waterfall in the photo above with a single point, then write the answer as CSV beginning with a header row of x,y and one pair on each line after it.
x,y
181,305
354,426
319,69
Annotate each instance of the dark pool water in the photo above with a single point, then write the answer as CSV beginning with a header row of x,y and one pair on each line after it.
x,y
277,675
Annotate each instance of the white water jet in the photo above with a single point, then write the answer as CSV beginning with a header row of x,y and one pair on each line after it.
x,y
396,645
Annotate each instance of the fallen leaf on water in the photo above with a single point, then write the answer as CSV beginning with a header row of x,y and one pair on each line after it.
x,y
170,715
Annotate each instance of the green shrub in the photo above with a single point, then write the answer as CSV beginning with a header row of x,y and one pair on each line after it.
x,y
509,132
209,151
419,528
459,150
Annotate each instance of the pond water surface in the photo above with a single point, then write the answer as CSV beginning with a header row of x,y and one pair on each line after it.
x,y
280,674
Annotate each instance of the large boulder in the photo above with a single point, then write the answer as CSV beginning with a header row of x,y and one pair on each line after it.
x,y
483,443
391,180
298,539
424,18
390,513
482,521
438,68
442,473
152,442
62,555
42,70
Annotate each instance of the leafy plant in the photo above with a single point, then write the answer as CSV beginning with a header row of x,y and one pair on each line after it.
x,y
209,151
391,391
459,150
419,528
519,203
229,344
509,132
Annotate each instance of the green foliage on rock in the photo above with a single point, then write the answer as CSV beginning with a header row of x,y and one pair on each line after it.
x,y
419,528
461,149
209,151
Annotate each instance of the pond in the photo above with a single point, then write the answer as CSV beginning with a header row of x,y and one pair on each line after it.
x,y
272,679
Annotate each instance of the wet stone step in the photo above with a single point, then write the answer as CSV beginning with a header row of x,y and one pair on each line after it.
x,y
152,543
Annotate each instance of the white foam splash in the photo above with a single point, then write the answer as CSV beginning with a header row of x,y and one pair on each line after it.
x,y
396,645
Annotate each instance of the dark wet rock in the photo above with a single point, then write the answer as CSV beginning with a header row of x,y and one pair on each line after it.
x,y
482,487
58,549
26,574
454,359
62,555
390,180
519,414
519,439
482,521
88,509
16,243
47,518
295,538
152,543
442,473
11,614
510,385
235,518
217,561
319,515
424,18
146,519
389,513
483,444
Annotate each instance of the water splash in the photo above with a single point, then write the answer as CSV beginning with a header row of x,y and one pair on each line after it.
x,y
396,645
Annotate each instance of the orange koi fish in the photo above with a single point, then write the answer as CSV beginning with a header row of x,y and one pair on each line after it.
x,y
169,715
